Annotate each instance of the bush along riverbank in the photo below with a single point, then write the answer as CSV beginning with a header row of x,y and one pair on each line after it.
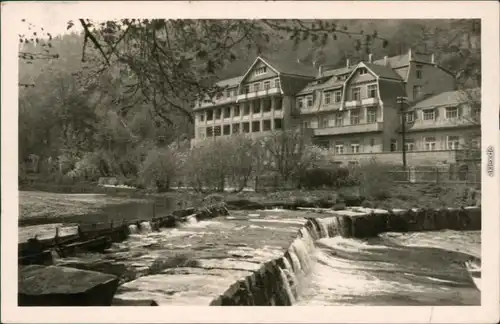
x,y
266,286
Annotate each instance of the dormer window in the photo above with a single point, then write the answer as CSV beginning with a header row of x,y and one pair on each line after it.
x,y
328,97
451,112
300,103
261,70
429,114
309,100
409,117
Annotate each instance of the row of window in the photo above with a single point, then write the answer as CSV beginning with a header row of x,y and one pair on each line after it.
x,y
235,111
266,85
246,127
428,144
355,93
431,114
260,70
256,86
354,118
331,96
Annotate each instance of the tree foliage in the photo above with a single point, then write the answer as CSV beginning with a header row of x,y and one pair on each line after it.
x,y
98,103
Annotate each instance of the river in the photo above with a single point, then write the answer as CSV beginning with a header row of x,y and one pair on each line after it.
x,y
193,264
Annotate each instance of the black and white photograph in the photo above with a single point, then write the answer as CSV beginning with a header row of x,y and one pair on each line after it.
x,y
249,161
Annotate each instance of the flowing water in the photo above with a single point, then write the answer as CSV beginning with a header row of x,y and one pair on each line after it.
x,y
195,263
392,271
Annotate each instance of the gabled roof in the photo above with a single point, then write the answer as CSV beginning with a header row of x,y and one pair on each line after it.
x,y
403,60
330,83
338,71
291,67
449,98
382,71
233,82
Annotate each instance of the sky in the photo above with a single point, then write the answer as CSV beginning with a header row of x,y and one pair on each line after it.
x,y
52,19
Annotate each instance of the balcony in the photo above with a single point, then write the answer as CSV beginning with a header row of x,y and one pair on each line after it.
x,y
321,108
349,129
216,102
352,104
278,113
369,102
257,94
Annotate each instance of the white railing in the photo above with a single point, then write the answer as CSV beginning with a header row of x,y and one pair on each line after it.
x,y
352,103
256,94
348,129
369,101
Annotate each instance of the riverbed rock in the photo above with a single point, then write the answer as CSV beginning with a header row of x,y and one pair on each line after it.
x,y
105,266
184,212
168,221
41,258
64,286
243,204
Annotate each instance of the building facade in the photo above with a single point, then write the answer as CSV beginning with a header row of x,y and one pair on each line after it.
x,y
353,110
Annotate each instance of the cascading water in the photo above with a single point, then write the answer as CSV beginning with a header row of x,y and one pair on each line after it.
x,y
388,264
146,227
292,279
191,220
288,284
300,252
323,228
133,229
297,269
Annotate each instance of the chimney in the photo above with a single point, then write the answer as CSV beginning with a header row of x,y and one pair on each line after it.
x,y
370,58
386,61
348,63
320,71
433,59
409,55
298,60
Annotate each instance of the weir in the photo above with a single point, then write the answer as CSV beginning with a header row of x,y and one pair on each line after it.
x,y
329,249
298,258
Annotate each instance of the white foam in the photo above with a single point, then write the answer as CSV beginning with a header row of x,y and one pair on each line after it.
x,y
146,227
299,221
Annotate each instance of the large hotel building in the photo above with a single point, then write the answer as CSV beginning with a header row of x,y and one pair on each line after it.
x,y
352,110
